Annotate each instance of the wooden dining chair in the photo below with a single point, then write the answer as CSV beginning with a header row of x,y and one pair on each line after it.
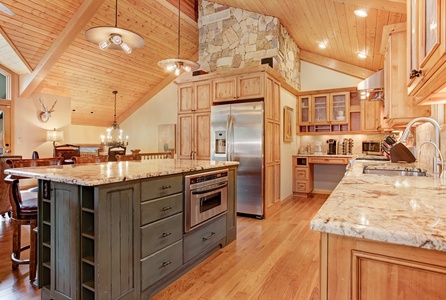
x,y
113,151
29,162
89,159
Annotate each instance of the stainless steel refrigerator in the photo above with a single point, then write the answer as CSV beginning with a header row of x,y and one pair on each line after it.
x,y
237,135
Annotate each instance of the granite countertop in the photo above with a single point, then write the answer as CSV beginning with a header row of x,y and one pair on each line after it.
x,y
112,172
327,155
394,209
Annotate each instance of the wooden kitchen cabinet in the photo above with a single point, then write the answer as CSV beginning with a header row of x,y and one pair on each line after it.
x,y
240,87
427,49
354,268
302,176
399,108
304,110
371,116
195,97
339,108
194,135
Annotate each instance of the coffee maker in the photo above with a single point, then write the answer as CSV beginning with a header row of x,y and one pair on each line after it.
x,y
332,147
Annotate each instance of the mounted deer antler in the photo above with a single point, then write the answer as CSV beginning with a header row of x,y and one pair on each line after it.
x,y
46,114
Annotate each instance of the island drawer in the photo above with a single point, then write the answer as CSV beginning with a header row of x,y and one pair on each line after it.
x,y
161,187
203,237
160,234
159,264
161,208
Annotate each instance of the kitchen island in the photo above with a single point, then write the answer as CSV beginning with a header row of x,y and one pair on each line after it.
x,y
116,230
383,237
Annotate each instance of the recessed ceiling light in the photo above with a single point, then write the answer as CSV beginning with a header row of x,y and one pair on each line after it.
x,y
360,13
362,55
322,46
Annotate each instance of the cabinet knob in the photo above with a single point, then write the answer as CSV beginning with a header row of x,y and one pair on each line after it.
x,y
165,187
166,234
415,73
166,208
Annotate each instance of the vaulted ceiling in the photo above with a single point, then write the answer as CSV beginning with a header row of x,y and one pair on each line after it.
x,y
52,55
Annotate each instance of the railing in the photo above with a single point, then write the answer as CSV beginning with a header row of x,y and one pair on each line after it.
x,y
156,155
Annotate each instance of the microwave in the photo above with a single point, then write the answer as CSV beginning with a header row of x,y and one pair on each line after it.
x,y
371,147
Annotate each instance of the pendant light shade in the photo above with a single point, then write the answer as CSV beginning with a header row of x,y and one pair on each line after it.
x,y
115,38
178,65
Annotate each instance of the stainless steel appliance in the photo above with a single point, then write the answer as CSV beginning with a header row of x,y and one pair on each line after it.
x,y
240,126
332,147
371,147
206,197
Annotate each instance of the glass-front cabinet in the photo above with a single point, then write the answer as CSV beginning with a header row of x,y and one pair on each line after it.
x,y
304,110
320,108
339,104
427,46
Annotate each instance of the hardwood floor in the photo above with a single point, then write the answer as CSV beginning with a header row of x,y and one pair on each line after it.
x,y
275,258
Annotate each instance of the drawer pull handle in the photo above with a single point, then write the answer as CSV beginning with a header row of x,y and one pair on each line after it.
x,y
164,187
165,264
166,208
166,234
209,237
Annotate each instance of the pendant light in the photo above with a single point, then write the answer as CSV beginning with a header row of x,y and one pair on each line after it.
x,y
178,65
115,38
114,133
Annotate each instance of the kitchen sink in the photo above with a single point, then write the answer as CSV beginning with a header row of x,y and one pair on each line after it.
x,y
394,171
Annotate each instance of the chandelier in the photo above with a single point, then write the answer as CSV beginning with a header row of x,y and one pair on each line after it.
x,y
109,37
114,134
176,64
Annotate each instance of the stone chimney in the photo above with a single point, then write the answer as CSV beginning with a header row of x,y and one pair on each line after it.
x,y
232,38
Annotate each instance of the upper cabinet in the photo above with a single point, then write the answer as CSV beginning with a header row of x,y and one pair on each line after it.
x,y
427,49
195,97
240,87
399,108
304,110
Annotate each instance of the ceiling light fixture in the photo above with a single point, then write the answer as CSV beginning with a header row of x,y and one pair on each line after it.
x,y
178,65
114,133
362,55
115,38
322,45
361,13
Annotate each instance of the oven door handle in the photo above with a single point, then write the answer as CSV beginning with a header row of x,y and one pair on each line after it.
x,y
218,187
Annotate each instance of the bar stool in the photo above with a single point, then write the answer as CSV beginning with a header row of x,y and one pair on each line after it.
x,y
24,212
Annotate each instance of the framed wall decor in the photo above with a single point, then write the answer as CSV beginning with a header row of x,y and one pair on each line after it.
x,y
288,117
166,137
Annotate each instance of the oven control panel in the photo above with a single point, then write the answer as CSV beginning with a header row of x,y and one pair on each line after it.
x,y
207,177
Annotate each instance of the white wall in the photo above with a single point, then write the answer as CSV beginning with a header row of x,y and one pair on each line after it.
x,y
287,149
313,77
142,125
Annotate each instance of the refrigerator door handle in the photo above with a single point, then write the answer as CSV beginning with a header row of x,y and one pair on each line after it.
x,y
231,138
227,137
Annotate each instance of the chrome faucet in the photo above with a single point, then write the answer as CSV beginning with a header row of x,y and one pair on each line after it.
x,y
406,132
438,150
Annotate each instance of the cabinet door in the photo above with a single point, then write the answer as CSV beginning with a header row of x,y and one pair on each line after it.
x,y
272,99
304,110
370,115
250,86
203,93
319,107
225,89
339,107
185,135
185,98
202,135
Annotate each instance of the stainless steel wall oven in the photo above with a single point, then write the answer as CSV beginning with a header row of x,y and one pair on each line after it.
x,y
206,197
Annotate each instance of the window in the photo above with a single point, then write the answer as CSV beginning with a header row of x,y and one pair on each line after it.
x,y
5,85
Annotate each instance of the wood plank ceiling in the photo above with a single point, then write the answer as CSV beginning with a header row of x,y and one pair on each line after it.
x,y
88,75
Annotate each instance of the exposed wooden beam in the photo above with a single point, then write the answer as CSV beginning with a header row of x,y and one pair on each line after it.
x,y
335,65
398,6
14,48
146,97
29,82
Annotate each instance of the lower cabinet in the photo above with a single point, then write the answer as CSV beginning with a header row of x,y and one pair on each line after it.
x,y
204,237
353,268
123,240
